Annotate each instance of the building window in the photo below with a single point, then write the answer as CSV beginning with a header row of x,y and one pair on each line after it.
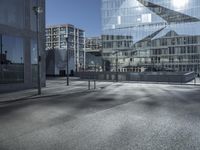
x,y
34,60
33,3
12,60
12,13
146,18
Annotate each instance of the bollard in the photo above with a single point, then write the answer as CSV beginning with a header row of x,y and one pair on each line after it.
x,y
195,80
94,84
88,84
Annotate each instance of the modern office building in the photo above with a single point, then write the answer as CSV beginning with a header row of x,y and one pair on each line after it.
x,y
18,44
165,33
93,54
59,39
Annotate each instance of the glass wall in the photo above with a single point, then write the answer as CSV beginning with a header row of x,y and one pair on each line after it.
x,y
138,19
12,15
12,59
32,14
34,60
149,22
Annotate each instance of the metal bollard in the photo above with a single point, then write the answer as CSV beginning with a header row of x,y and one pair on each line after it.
x,y
88,84
195,81
94,84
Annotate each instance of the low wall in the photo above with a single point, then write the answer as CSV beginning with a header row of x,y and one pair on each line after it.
x,y
174,77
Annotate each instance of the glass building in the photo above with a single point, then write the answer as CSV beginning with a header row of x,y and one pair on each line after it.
x,y
165,34
18,44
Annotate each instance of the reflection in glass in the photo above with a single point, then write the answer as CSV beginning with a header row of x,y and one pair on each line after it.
x,y
12,59
165,33
12,13
34,60
32,14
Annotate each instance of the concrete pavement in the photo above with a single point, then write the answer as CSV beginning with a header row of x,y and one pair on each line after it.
x,y
54,86
120,116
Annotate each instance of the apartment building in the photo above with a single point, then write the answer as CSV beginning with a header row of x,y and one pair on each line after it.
x,y
59,40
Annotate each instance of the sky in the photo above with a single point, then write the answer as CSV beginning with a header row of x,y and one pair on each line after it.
x,y
84,14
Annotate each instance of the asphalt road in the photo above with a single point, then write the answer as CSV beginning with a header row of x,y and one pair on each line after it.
x,y
121,116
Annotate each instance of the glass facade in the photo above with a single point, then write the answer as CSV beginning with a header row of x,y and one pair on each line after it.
x,y
93,51
12,59
12,15
32,14
18,45
161,31
34,60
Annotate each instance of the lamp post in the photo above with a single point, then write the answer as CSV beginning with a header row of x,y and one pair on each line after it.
x,y
38,10
1,45
67,61
1,53
198,66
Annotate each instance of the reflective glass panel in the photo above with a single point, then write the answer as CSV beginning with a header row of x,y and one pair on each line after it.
x,y
12,13
34,60
12,59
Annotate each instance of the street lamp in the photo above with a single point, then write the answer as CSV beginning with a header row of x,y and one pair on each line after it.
x,y
1,53
38,10
67,60
198,65
1,45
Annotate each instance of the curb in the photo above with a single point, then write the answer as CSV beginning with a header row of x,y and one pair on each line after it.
x,y
35,96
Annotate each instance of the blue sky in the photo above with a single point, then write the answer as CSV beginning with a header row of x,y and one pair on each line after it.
x,y
84,14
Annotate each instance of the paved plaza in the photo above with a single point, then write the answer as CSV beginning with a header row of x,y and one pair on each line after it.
x,y
115,116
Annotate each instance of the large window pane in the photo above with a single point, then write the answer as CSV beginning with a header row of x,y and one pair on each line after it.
x,y
12,13
12,59
34,60
33,3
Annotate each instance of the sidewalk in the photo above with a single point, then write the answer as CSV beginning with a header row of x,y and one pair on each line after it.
x,y
53,87
58,86
14,96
